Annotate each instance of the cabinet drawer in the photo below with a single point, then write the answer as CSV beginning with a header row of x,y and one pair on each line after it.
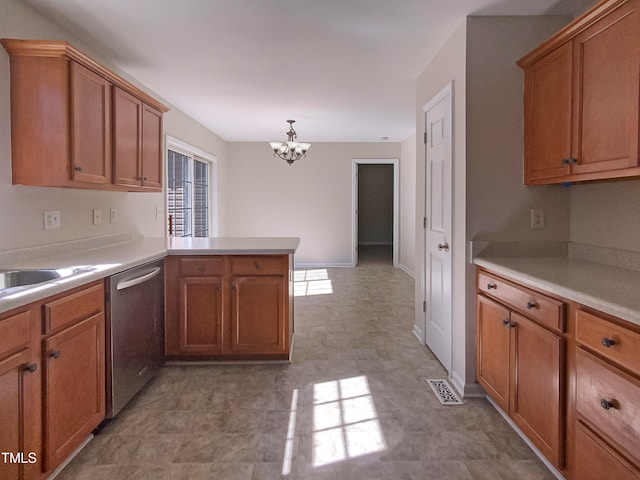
x,y
71,308
201,267
259,265
595,460
15,332
612,341
609,399
539,307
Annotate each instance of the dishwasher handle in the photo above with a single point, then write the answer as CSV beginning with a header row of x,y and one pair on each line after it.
x,y
138,280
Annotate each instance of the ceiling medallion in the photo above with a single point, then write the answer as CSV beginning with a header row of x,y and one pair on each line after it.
x,y
291,150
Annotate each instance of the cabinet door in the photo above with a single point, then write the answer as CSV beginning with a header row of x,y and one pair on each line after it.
x,y
258,317
90,126
492,350
201,323
19,416
127,126
75,386
607,81
537,402
547,116
151,172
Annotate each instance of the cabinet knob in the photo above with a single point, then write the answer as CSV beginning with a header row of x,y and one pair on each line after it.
x,y
531,305
257,265
492,285
200,268
144,179
54,354
568,161
505,323
606,404
32,367
607,342
78,168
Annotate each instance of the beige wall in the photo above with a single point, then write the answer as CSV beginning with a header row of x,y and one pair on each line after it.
x,y
21,208
311,199
408,205
447,65
606,214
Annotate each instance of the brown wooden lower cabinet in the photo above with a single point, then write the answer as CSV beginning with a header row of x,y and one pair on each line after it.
x,y
52,380
222,306
572,387
521,366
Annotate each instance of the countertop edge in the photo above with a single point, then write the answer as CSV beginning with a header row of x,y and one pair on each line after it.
x,y
588,299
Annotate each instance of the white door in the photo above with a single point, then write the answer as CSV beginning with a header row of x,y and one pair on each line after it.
x,y
438,152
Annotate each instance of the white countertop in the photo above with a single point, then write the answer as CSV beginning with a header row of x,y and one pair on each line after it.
x,y
104,261
611,290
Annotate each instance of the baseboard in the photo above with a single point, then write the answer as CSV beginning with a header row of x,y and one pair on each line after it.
x,y
406,270
299,266
467,390
538,453
417,331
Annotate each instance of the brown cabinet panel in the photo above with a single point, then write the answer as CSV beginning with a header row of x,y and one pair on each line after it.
x,y
537,396
607,82
609,400
597,461
15,332
202,266
547,116
492,350
73,307
90,126
75,387
19,415
201,315
151,154
258,315
259,264
127,127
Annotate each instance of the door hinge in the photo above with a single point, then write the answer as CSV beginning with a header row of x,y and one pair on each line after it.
x,y
425,138
424,222
424,306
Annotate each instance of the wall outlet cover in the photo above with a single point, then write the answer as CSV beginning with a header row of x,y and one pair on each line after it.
x,y
97,216
113,215
52,219
537,218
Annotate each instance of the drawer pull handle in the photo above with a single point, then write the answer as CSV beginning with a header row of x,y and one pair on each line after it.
x,y
32,367
607,342
492,285
606,404
55,354
531,305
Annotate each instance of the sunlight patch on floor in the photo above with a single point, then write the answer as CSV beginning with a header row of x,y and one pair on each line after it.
x,y
345,421
291,434
311,282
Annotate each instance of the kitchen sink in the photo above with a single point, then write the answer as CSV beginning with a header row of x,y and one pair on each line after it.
x,y
23,278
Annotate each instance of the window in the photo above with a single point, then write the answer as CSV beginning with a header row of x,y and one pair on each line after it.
x,y
189,191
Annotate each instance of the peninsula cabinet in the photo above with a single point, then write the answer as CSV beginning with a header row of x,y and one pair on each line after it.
x,y
581,102
52,379
228,307
520,348
69,127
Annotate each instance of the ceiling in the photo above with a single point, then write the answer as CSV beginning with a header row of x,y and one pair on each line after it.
x,y
344,69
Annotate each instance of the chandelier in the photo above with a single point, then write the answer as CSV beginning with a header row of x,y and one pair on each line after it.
x,y
290,151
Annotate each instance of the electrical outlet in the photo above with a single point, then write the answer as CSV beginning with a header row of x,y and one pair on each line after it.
x,y
97,216
159,213
113,215
537,218
51,219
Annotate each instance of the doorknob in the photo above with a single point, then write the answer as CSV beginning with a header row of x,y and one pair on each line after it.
x,y
443,246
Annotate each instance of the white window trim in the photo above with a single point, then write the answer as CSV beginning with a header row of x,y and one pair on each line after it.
x,y
179,146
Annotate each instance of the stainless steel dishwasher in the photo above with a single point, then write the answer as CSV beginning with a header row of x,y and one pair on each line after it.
x,y
134,332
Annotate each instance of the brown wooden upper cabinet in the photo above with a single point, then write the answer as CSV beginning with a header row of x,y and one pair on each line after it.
x,y
581,101
76,124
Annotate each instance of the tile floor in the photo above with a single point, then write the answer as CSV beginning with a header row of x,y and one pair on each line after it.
x,y
375,255
353,404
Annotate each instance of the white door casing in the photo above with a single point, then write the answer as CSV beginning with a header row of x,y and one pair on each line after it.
x,y
438,225
354,204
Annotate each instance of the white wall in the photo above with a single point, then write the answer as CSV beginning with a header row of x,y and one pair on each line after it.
x,y
408,205
21,207
448,64
263,196
606,214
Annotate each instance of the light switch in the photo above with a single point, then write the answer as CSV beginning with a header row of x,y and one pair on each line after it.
x,y
97,216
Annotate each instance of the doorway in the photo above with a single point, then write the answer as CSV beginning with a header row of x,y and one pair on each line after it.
x,y
375,212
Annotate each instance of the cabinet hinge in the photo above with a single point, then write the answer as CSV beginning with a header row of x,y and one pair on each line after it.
x,y
424,306
425,138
